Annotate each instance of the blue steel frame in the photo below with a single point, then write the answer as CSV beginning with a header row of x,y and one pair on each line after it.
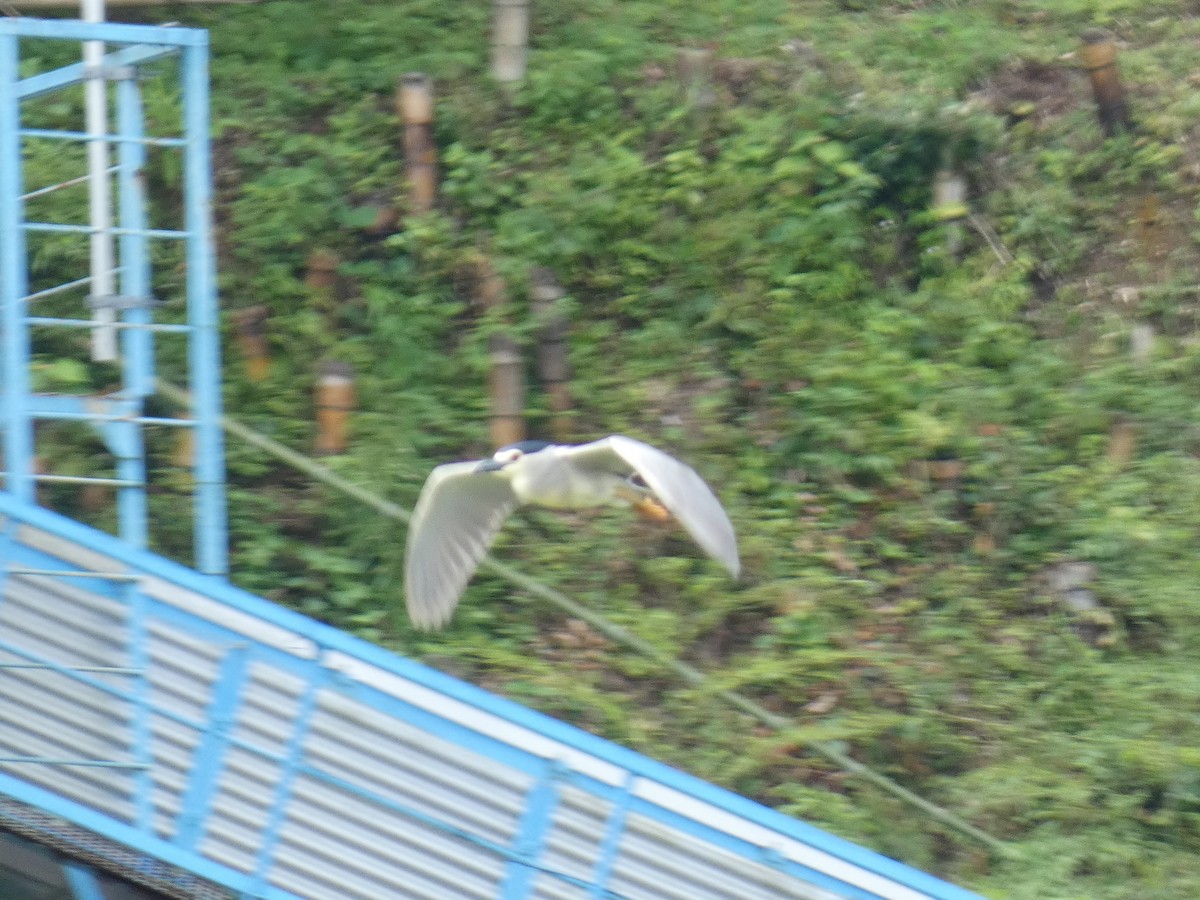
x,y
121,420
82,881
523,854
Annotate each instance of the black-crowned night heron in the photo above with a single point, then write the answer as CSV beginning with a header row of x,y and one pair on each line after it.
x,y
463,505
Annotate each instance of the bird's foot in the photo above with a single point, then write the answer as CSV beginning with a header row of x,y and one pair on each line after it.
x,y
649,508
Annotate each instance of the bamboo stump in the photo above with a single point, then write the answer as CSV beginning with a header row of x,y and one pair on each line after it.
x,y
250,331
553,365
414,102
506,372
510,41
335,400
1099,55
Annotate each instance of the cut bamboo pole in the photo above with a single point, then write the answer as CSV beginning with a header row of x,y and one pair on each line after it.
x,y
319,270
250,330
507,387
695,70
414,102
95,497
335,400
510,40
1099,54
1122,442
1141,343
950,206
41,491
321,279
553,365
183,454
506,375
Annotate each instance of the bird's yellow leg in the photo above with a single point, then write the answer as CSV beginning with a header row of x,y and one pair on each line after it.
x,y
649,508
643,503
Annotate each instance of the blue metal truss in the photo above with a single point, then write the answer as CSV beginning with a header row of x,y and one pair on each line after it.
x,y
118,416
559,765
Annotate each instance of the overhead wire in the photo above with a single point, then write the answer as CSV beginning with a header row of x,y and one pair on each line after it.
x,y
611,630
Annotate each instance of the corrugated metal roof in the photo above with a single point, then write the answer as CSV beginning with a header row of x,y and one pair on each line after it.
x,y
290,760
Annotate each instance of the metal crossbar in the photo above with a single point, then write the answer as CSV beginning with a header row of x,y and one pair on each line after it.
x,y
120,314
67,228
64,761
82,137
107,670
70,182
57,289
90,323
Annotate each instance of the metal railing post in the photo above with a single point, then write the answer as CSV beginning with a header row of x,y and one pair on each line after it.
x,y
18,429
204,350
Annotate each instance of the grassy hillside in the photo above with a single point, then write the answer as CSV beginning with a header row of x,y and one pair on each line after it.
x,y
969,515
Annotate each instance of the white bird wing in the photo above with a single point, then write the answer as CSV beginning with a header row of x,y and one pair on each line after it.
x,y
675,484
455,520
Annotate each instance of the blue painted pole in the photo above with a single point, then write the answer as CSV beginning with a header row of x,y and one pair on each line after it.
x,y
138,364
204,350
139,659
82,881
18,428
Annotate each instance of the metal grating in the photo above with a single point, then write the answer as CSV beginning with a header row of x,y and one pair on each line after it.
x,y
286,759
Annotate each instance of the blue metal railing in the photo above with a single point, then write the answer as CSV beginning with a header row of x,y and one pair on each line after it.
x,y
118,416
554,772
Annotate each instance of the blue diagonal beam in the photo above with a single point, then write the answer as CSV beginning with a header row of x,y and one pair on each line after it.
x,y
289,769
210,752
610,844
531,834
47,82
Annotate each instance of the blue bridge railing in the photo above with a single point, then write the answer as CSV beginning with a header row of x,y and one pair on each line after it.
x,y
278,757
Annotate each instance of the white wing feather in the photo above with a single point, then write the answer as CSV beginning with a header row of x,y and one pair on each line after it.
x,y
675,484
455,521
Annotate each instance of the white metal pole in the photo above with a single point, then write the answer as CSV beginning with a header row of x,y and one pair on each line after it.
x,y
104,340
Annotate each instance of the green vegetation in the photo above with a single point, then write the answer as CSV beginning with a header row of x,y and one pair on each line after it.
x,y
912,442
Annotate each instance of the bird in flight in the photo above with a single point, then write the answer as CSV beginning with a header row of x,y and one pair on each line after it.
x,y
463,505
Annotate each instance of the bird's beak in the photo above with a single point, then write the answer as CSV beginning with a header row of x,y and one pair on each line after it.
x,y
489,465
